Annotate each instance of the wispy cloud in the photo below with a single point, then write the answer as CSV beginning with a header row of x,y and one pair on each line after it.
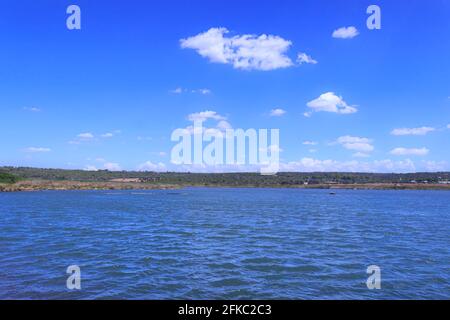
x,y
36,150
32,109
107,135
329,165
410,151
412,131
150,166
111,166
85,136
304,58
180,90
278,112
309,143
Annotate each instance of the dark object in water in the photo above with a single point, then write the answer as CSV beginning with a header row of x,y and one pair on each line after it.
x,y
332,193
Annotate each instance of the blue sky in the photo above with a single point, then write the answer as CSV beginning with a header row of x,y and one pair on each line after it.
x,y
110,95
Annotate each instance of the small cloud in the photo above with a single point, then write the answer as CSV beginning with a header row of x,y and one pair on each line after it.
x,y
277,112
304,58
85,136
82,137
448,126
329,102
202,91
150,166
309,143
410,152
435,165
32,109
107,135
205,115
178,90
90,168
37,150
412,131
356,143
345,33
112,166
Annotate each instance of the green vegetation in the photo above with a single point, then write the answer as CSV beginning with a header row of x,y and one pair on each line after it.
x,y
284,179
8,178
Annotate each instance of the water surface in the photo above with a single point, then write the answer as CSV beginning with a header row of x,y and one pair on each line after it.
x,y
211,243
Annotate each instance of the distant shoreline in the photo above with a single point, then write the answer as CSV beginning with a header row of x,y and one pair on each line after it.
x,y
43,185
35,179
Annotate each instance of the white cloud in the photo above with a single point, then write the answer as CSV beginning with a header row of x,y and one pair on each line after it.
x,y
90,168
277,112
177,90
32,109
248,52
356,143
304,58
435,165
329,102
180,90
448,126
345,33
202,91
150,166
309,143
107,135
112,166
82,137
412,131
85,136
205,115
316,165
37,150
410,151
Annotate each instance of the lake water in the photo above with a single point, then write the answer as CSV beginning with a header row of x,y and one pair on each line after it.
x,y
211,243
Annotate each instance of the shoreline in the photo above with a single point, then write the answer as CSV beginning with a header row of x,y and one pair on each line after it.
x,y
48,185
